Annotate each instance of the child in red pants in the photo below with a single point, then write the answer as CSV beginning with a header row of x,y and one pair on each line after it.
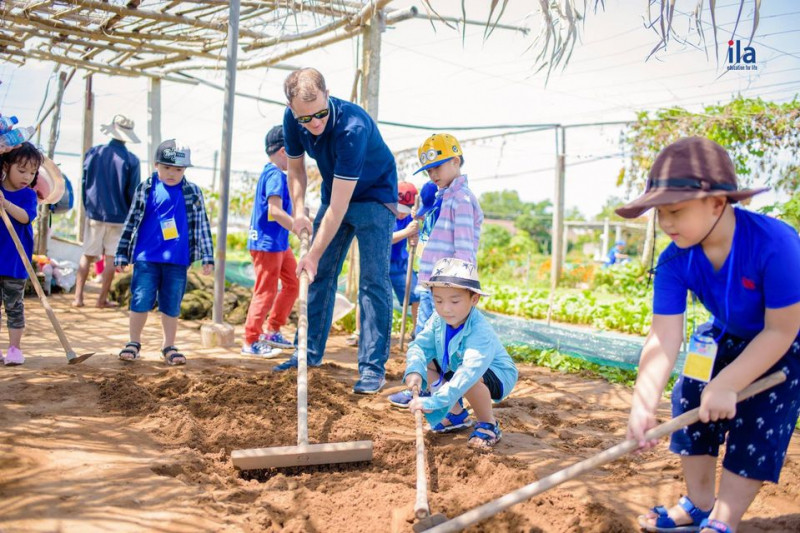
x,y
273,259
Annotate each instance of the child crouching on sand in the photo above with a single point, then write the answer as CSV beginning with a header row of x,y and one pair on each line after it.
x,y
458,354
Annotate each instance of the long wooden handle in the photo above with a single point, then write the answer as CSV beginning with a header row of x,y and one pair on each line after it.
x,y
407,293
35,281
528,491
421,509
302,349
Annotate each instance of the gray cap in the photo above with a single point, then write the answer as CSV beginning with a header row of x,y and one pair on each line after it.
x,y
169,153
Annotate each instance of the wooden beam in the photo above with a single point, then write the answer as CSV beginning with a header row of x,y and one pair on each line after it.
x,y
88,136
302,455
221,26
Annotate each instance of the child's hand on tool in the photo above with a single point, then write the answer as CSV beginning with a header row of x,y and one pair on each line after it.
x,y
640,422
208,269
717,402
416,405
414,381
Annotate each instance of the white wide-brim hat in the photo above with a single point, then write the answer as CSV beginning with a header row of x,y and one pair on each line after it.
x,y
121,129
452,272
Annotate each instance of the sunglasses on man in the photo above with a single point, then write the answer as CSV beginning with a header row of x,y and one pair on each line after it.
x,y
305,119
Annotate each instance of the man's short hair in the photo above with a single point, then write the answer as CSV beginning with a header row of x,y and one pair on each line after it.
x,y
305,83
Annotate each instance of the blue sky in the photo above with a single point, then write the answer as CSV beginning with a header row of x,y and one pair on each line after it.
x,y
428,76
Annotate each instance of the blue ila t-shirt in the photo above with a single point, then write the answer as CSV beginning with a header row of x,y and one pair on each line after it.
x,y
159,241
266,234
763,267
11,264
349,148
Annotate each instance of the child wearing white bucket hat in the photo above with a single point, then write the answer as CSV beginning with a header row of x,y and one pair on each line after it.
x,y
459,354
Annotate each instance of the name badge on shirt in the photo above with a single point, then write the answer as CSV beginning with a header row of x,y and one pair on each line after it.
x,y
169,230
700,358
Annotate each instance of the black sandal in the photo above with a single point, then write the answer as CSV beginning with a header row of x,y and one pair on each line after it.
x,y
171,358
131,348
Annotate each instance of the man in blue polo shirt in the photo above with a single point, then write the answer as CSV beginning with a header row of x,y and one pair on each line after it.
x,y
110,176
359,199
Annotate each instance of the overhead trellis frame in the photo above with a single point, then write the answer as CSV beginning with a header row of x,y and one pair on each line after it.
x,y
157,38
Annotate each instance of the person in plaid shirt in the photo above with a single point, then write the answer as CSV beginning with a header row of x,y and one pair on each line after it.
x,y
166,230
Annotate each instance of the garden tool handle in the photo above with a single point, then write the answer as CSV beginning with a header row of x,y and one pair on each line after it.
x,y
302,348
62,337
421,509
528,491
409,271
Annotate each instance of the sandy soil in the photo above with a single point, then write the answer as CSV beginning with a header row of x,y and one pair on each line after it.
x,y
105,446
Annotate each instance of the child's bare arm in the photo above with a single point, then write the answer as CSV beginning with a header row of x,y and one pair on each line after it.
x,y
780,331
277,213
405,233
15,212
655,365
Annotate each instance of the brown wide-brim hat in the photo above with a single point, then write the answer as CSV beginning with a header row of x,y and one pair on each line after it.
x,y
690,168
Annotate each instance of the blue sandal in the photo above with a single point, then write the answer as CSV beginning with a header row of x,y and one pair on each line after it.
x,y
485,435
459,421
665,524
716,525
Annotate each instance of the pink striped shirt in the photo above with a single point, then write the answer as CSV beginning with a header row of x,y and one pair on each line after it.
x,y
457,231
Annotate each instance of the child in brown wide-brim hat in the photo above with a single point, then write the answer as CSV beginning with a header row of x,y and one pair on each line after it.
x,y
742,266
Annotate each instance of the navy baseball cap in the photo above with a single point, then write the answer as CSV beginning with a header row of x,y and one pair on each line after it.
x,y
274,140
427,198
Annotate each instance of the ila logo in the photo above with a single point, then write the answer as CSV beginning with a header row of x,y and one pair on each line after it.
x,y
738,60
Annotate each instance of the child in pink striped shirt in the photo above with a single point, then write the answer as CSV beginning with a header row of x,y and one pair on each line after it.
x,y
456,232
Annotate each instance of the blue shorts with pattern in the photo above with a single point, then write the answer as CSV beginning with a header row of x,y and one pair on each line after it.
x,y
759,434
164,282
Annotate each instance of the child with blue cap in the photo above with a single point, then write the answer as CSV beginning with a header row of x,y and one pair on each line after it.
x,y
743,267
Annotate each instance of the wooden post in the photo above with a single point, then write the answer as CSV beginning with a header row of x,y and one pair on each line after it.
x,y
44,211
606,235
647,253
153,121
88,136
558,210
371,63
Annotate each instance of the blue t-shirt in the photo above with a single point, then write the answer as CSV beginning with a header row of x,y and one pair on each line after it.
x,y
164,231
762,266
399,249
11,265
350,148
449,333
110,177
266,234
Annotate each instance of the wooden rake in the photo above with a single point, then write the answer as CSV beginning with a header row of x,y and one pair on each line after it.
x,y
528,491
304,453
72,357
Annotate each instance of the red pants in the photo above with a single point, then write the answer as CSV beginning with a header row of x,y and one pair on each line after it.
x,y
269,267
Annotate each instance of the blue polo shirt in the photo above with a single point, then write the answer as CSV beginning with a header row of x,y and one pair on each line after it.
x,y
165,203
110,177
11,265
266,234
762,266
350,148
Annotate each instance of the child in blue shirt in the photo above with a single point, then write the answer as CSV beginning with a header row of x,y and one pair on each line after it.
x,y
743,267
458,354
405,232
273,259
166,230
18,171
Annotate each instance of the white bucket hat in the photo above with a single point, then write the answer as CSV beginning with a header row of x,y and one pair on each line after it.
x,y
121,129
452,272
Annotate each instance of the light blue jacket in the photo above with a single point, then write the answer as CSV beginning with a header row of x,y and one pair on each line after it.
x,y
473,350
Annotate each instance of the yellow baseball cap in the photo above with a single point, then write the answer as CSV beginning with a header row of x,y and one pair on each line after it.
x,y
437,149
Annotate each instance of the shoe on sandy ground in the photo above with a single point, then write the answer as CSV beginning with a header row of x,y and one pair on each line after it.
x,y
14,357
